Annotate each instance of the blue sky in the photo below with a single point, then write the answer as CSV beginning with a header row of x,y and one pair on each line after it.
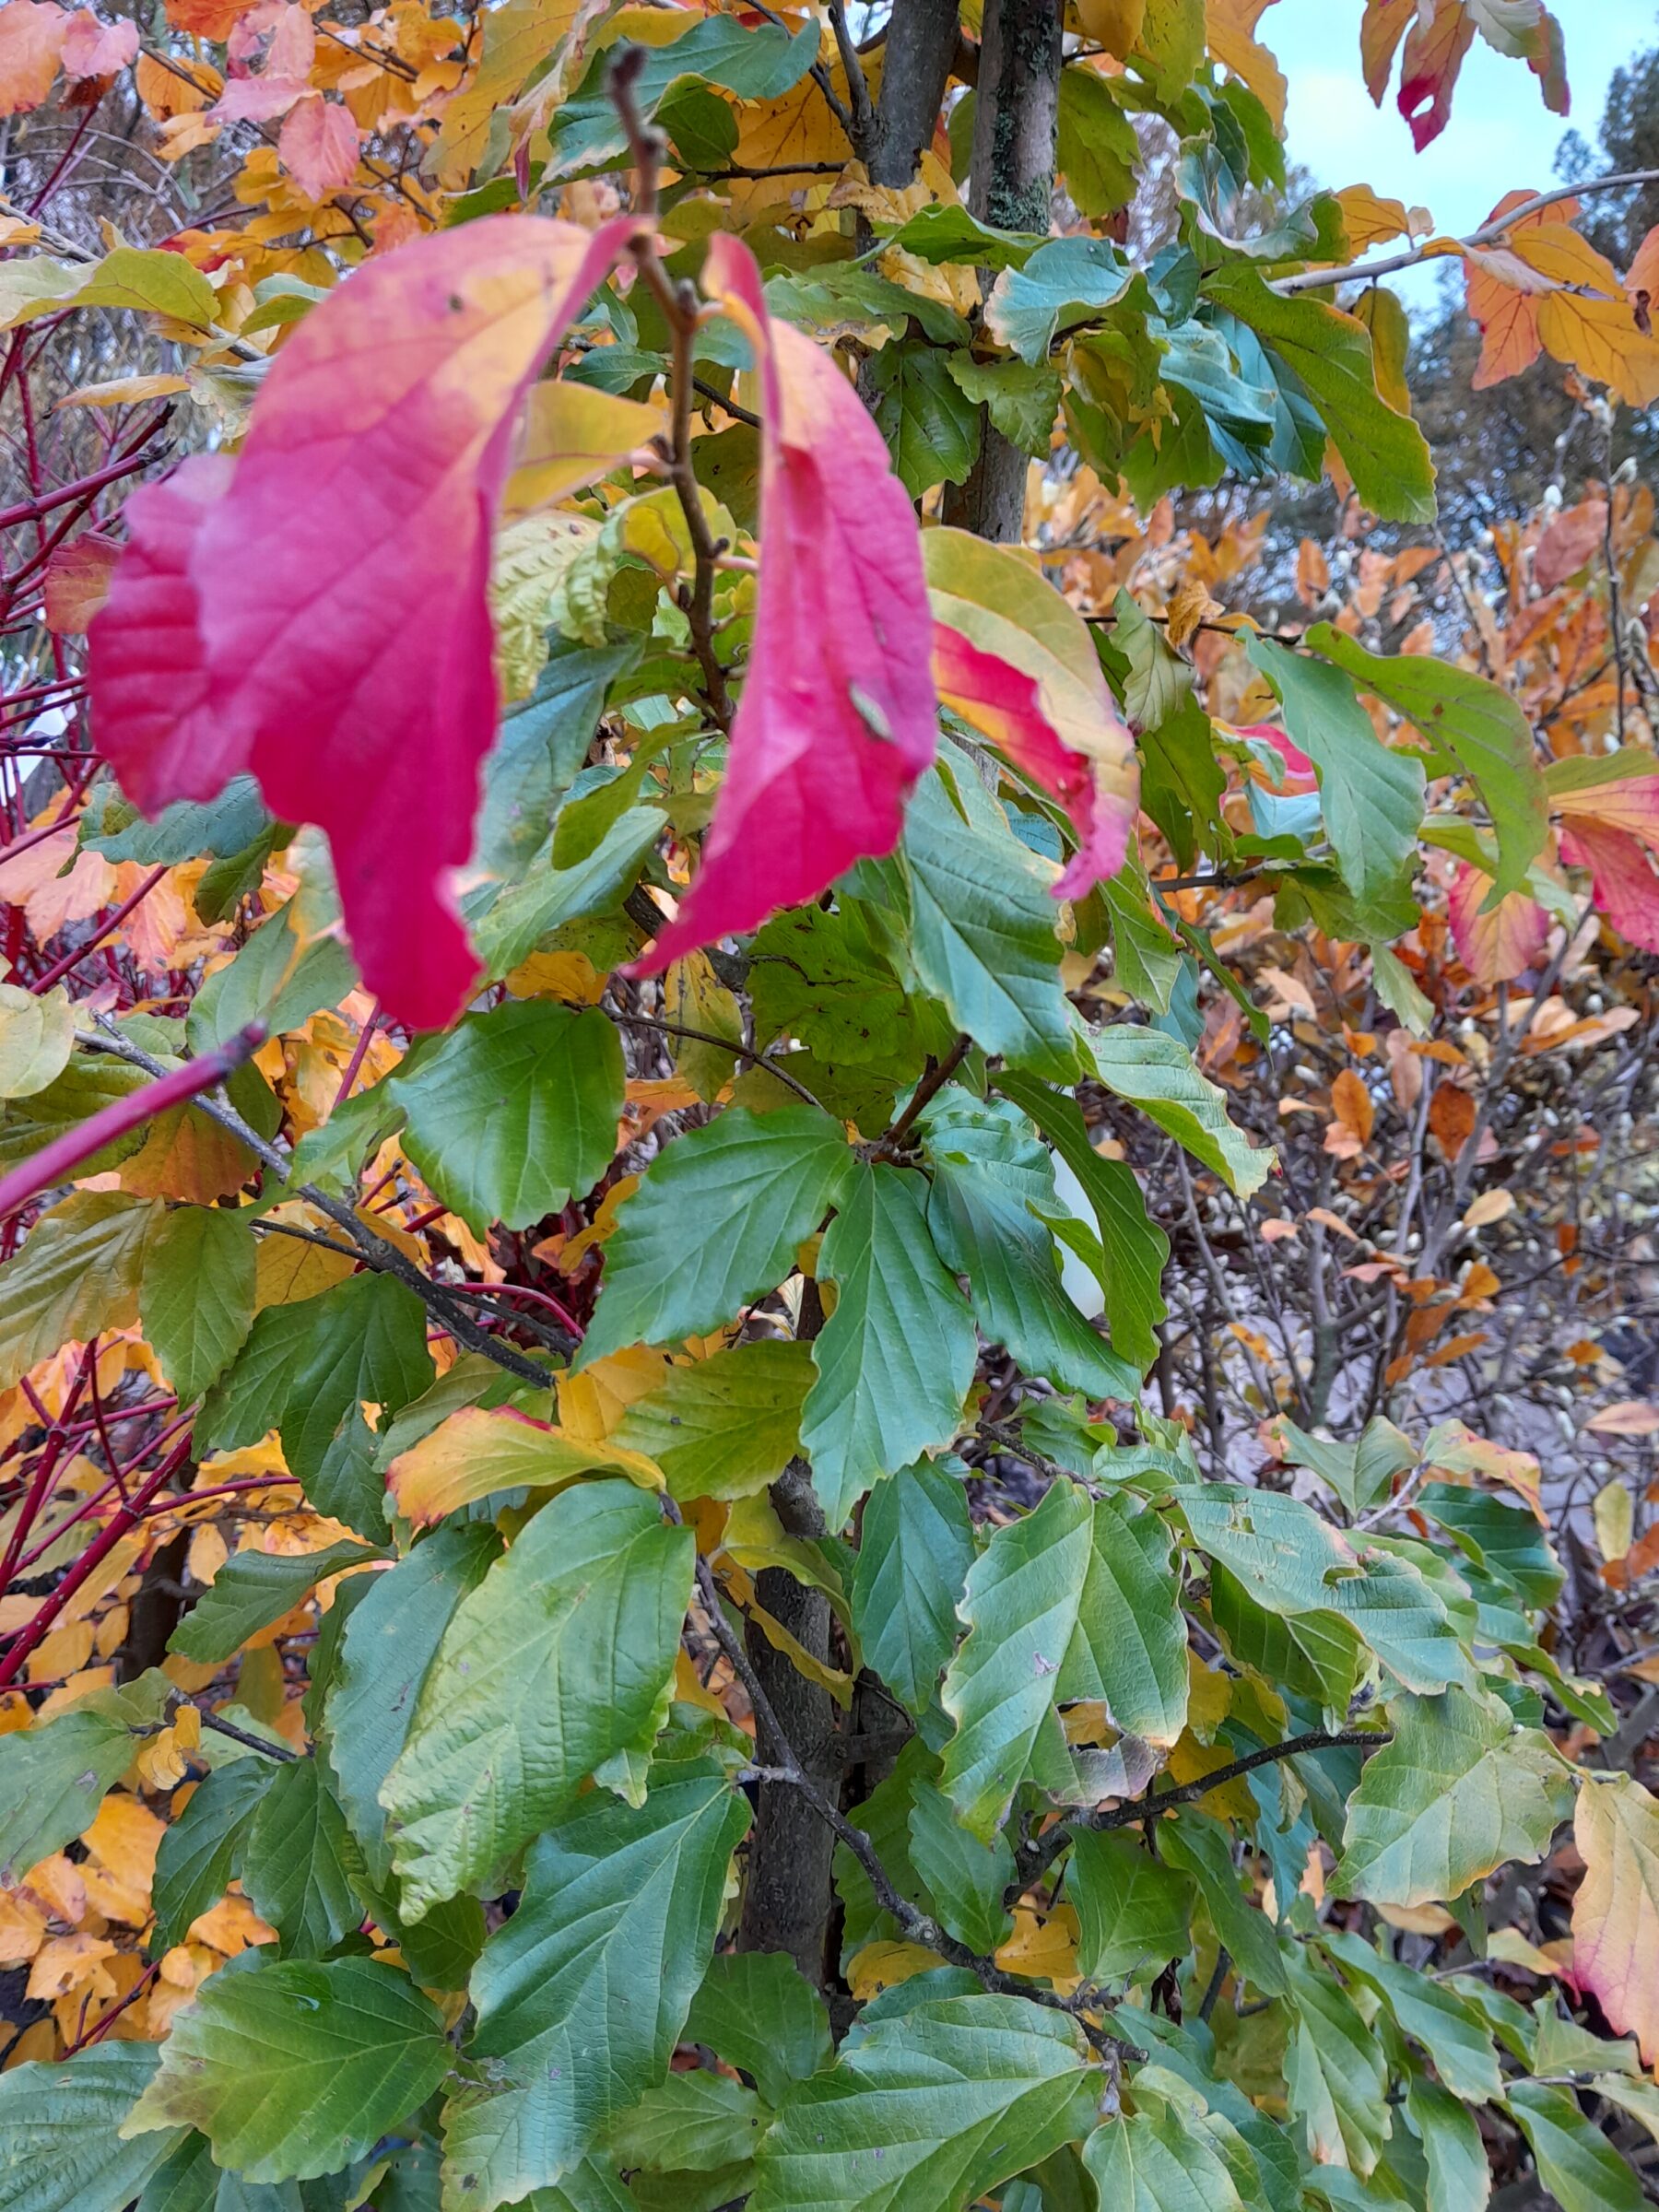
x,y
1501,135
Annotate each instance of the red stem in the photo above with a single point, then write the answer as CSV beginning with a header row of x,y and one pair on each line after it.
x,y
98,1498
358,1052
72,959
118,1525
55,1162
29,511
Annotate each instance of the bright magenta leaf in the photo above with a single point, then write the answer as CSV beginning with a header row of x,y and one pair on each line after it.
x,y
838,717
1612,829
1006,705
317,613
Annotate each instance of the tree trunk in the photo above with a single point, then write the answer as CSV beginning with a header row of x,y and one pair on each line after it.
x,y
787,1893
1014,124
921,41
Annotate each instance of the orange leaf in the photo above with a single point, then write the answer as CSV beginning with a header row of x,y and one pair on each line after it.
x,y
31,39
1368,219
1353,1105
1616,1912
1451,1118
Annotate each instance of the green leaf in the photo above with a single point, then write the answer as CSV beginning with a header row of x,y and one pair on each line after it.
x,y
297,1860
758,2011
756,61
1576,2163
1021,1607
390,1642
1133,1911
59,2150
1133,1249
1156,682
757,1185
1471,725
228,825
931,426
1449,2030
1460,1792
304,1367
37,1036
545,899
1065,282
559,1659
1330,355
895,1358
940,233
1182,780
76,1275
1505,1539
1312,1656
1158,1074
1459,2175
196,1294
1335,2072
52,1779
992,1195
1097,152
1291,1561
1131,1642
153,282
253,1589
1194,1843
983,929
1160,2160
926,2111
1021,399
916,1548
964,1877
541,744
202,1845
1372,797
693,2122
274,979
1360,1473
581,1995
726,1425
516,1111
292,2069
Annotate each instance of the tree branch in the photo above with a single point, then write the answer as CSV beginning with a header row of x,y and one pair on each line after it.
x,y
1489,234
1039,1855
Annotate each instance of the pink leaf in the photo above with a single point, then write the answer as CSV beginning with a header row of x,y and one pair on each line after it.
x,y
1006,705
93,47
256,99
1498,946
318,146
838,717
321,618
1621,878
32,42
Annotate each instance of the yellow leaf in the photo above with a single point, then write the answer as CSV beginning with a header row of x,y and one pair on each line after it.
x,y
1492,1206
1601,338
1515,1949
37,1035
126,1836
63,1962
884,1965
1115,24
1191,1760
1616,1912
1614,1516
1231,33
517,38
124,391
592,1404
572,435
1047,1949
1209,1698
570,976
1368,219
22,1927
231,1927
475,1452
839,1685
290,1269
529,561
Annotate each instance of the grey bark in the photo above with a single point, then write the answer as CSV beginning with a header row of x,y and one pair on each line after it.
x,y
921,41
1016,122
787,1891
